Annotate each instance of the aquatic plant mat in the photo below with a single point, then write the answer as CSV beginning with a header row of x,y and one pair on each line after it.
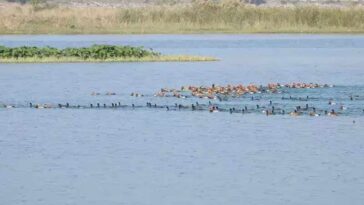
x,y
200,17
296,99
95,53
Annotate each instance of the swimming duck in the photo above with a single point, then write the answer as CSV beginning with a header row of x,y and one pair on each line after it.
x,y
306,108
294,113
331,102
39,106
110,93
267,112
342,107
48,106
332,113
95,93
213,109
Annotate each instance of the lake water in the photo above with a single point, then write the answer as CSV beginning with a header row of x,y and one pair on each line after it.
x,y
151,156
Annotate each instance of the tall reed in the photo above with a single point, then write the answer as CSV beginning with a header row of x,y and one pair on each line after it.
x,y
231,17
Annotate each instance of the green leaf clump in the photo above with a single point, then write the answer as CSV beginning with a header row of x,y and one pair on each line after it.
x,y
93,52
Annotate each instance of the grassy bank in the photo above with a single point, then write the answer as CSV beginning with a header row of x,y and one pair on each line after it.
x,y
167,58
228,17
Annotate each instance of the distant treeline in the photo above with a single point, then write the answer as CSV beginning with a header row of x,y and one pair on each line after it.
x,y
93,52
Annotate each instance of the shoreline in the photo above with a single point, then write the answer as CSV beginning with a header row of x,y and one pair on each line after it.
x,y
166,58
194,31
181,34
212,32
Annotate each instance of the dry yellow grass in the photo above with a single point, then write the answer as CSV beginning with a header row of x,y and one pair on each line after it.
x,y
196,18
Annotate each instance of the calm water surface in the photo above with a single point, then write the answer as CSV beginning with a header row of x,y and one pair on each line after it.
x,y
91,157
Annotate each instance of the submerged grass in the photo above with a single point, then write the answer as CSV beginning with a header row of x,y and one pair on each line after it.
x,y
165,58
206,17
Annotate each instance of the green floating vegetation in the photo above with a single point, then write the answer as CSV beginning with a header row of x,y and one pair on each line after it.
x,y
95,53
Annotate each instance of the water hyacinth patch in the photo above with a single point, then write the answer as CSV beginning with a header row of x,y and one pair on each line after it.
x,y
98,52
95,53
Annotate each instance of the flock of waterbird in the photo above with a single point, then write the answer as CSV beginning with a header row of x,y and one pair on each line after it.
x,y
272,99
215,91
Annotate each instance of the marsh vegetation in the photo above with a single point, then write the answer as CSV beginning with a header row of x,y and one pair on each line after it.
x,y
95,53
198,17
